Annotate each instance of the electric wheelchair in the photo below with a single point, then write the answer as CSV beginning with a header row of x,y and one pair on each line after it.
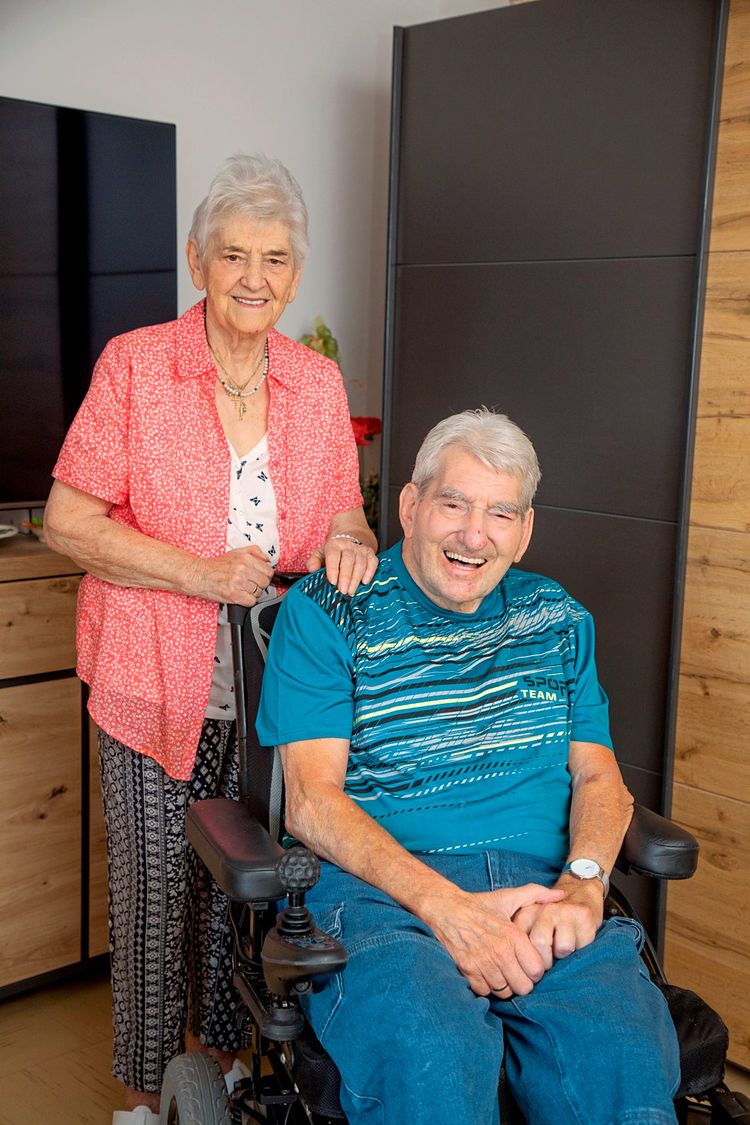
x,y
278,953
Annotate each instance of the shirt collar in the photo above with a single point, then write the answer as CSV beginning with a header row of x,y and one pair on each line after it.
x,y
194,356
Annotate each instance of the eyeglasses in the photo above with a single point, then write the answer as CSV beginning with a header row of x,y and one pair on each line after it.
x,y
456,509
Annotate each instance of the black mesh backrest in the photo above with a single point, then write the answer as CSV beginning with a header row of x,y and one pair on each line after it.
x,y
260,774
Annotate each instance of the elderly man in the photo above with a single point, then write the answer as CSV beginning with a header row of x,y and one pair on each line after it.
x,y
446,752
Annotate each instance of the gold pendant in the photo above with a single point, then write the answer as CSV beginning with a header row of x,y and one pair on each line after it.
x,y
241,409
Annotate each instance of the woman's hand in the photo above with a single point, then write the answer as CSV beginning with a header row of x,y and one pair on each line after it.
x,y
347,563
236,578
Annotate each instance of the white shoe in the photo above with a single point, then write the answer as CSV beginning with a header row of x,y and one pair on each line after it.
x,y
140,1116
238,1071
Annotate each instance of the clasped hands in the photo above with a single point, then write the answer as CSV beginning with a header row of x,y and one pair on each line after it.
x,y
504,941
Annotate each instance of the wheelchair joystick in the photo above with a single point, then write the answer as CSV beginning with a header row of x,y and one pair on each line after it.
x,y
298,871
295,950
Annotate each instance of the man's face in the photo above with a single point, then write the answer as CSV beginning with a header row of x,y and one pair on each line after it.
x,y
464,532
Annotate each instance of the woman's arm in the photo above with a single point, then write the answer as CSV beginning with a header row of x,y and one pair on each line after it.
x,y
77,524
348,552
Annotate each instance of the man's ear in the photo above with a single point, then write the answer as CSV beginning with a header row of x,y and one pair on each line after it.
x,y
407,506
525,536
194,264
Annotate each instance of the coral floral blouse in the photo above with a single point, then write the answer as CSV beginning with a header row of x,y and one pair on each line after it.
x,y
148,439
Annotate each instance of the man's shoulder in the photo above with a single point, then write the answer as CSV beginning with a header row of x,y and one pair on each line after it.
x,y
524,587
345,607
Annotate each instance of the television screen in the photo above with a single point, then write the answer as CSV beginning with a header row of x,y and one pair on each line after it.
x,y
87,250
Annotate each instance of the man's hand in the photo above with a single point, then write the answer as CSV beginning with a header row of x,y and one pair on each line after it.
x,y
494,954
347,563
557,929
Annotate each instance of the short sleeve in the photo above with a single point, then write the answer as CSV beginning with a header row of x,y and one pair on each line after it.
x,y
94,456
308,686
590,705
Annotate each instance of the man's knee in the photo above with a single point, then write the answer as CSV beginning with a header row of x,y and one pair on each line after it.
x,y
403,1026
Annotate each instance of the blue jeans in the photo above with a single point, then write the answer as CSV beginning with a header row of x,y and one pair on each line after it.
x,y
592,1044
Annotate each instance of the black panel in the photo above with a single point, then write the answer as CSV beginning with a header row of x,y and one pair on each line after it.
x,y
590,358
622,571
643,784
149,298
559,129
87,251
131,193
551,168
28,188
31,388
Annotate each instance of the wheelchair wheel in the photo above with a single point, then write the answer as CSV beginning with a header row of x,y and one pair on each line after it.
x,y
194,1092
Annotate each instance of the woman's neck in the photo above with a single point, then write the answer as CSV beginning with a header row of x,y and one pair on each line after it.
x,y
237,352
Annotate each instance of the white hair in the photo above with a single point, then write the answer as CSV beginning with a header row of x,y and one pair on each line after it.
x,y
492,438
258,187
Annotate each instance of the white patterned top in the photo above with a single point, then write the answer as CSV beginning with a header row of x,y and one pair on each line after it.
x,y
252,521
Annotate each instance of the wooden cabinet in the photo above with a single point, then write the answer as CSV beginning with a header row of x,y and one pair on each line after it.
x,y
98,919
708,929
40,828
53,872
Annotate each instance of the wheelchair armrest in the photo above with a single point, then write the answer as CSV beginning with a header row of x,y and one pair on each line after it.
x,y
236,849
656,846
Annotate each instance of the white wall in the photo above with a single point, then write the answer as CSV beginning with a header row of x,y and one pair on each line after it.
x,y
305,80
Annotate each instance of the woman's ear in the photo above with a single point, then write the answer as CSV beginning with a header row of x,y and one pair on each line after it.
x,y
194,264
293,286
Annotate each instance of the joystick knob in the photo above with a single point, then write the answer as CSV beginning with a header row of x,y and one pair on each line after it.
x,y
298,870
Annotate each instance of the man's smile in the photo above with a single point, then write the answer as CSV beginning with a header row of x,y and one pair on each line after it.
x,y
464,560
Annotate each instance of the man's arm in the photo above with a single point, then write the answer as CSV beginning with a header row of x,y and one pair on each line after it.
x,y
476,929
600,812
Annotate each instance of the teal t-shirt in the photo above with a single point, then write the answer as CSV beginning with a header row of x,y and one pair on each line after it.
x,y
460,724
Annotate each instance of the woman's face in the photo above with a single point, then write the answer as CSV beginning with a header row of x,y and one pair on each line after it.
x,y
248,274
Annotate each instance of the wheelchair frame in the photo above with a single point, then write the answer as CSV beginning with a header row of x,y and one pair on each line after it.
x,y
239,843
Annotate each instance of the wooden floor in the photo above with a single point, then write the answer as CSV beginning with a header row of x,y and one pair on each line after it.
x,y
56,1055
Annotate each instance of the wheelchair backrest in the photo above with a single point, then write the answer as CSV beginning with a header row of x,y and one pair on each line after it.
x,y
261,780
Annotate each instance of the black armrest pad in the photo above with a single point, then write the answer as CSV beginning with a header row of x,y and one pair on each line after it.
x,y
656,846
235,848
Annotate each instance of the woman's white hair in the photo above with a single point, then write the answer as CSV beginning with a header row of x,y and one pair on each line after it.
x,y
257,187
492,438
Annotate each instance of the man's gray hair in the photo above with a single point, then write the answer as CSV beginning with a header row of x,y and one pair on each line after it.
x,y
257,187
492,438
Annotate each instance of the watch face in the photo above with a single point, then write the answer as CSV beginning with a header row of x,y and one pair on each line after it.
x,y
585,868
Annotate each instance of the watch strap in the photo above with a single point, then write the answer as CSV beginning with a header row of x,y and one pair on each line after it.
x,y
599,874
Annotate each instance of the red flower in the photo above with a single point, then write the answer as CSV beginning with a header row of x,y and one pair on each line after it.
x,y
365,429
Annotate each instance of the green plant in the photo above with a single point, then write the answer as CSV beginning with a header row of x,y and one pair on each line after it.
x,y
322,340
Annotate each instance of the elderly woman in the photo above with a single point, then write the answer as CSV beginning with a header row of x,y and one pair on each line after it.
x,y
208,452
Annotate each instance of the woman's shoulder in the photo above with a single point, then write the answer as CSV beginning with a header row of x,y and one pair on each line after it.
x,y
164,337
300,363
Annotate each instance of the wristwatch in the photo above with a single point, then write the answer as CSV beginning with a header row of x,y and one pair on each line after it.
x,y
587,869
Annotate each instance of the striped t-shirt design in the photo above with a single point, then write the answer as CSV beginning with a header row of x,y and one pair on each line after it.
x,y
462,723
